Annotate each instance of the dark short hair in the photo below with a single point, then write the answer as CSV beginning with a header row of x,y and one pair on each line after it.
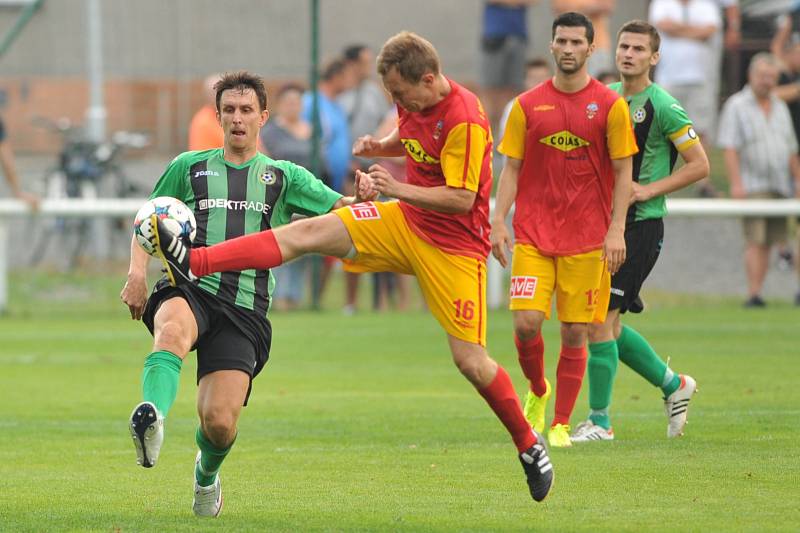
x,y
538,62
288,88
571,19
243,81
353,52
644,28
332,68
412,56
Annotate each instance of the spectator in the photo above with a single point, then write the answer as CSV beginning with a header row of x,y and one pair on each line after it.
x,y
287,136
760,146
599,12
504,44
537,70
365,106
687,30
10,171
205,132
335,79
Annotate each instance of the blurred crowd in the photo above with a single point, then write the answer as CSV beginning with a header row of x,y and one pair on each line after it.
x,y
734,65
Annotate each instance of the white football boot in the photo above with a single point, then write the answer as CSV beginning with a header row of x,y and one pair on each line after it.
x,y
207,500
676,406
589,431
147,429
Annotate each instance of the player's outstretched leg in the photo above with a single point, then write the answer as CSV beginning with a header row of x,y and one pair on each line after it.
x,y
147,429
636,352
173,252
538,468
207,500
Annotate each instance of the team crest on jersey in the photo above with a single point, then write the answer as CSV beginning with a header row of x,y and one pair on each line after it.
x,y
437,131
591,110
639,115
417,153
365,211
523,287
268,177
564,141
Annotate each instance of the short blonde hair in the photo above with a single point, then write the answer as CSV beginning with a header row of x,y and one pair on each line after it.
x,y
412,56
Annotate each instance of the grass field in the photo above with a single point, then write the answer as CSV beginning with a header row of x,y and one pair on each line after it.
x,y
362,423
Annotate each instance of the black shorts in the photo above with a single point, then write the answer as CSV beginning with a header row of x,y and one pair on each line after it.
x,y
643,240
228,337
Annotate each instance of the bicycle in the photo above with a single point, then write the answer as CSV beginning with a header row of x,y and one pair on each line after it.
x,y
84,169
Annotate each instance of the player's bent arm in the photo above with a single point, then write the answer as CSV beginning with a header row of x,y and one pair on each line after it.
x,y
733,172
695,169
388,146
444,199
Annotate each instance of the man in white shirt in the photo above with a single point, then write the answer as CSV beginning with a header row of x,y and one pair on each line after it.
x,y
688,30
760,145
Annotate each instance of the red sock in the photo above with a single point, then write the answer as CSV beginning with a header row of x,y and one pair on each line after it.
x,y
257,250
502,398
531,360
571,367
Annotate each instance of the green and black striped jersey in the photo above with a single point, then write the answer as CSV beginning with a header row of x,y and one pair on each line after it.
x,y
662,129
232,200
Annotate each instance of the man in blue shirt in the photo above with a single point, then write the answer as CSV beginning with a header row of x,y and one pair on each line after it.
x,y
504,43
336,78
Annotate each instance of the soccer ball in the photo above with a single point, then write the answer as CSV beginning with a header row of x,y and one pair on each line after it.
x,y
173,213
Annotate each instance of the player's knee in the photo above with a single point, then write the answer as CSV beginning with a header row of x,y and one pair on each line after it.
x,y
527,325
574,334
172,336
219,425
478,368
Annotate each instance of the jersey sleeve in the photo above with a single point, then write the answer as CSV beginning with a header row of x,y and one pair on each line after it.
x,y
676,126
513,142
462,155
307,195
173,181
619,133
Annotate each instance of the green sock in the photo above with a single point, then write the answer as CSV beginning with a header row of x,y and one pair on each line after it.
x,y
637,353
602,367
162,371
211,459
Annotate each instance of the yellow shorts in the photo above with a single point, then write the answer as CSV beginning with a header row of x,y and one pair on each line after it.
x,y
581,282
454,286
